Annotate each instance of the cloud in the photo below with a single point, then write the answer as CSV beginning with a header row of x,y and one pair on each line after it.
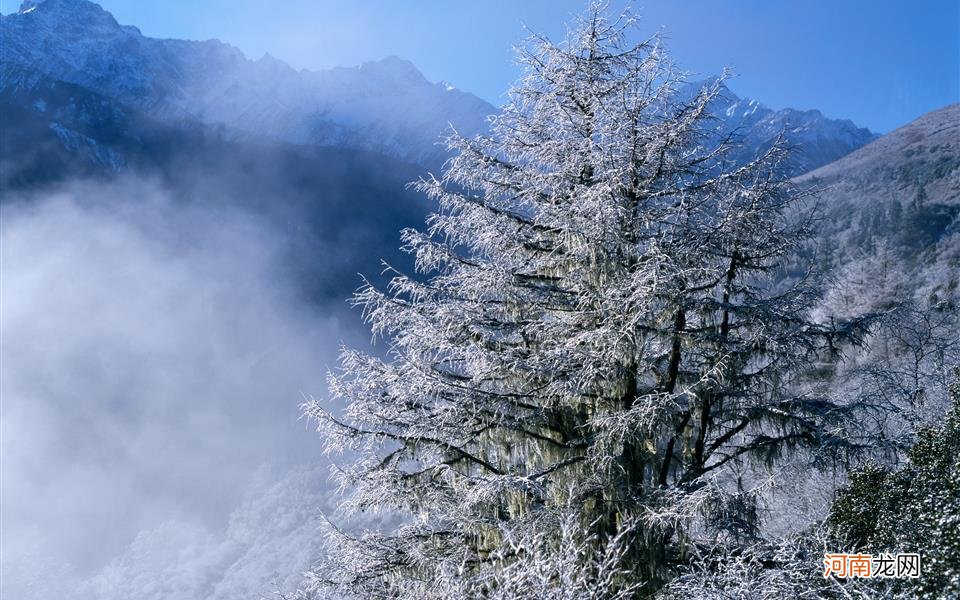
x,y
153,355
271,539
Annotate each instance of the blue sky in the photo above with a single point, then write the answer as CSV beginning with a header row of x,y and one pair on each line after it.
x,y
880,63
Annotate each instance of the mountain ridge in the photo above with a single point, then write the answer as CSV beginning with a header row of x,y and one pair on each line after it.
x,y
816,140
386,106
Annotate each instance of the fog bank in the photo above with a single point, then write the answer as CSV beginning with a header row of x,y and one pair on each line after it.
x,y
153,358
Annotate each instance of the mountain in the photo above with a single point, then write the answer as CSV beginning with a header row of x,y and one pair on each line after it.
x,y
893,207
386,106
814,139
319,197
916,162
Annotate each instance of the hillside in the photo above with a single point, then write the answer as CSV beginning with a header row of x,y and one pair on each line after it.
x,y
898,197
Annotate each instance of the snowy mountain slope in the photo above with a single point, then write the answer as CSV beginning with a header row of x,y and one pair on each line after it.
x,y
385,105
897,201
319,197
921,155
64,131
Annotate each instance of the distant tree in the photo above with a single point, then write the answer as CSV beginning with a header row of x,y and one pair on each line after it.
x,y
872,281
921,197
894,216
601,341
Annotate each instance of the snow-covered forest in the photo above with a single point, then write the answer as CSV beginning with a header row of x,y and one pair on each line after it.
x,y
625,334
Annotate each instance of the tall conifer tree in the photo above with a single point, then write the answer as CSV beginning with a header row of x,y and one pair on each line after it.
x,y
596,343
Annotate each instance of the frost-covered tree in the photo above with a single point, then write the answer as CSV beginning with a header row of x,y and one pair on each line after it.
x,y
771,570
598,338
908,369
910,348
872,280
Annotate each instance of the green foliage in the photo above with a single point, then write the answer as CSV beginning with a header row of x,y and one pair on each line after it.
x,y
913,509
857,512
